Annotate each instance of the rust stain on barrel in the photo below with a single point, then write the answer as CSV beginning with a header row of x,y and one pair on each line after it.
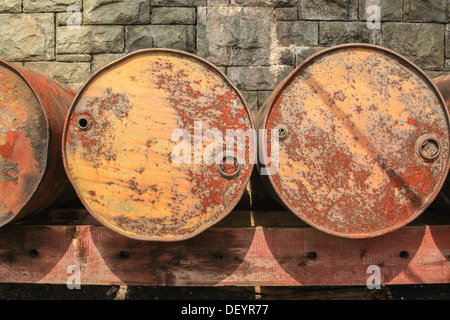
x,y
32,113
442,201
443,84
356,117
121,165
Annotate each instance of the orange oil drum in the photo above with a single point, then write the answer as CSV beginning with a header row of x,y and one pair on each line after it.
x,y
32,113
443,84
442,201
363,141
122,132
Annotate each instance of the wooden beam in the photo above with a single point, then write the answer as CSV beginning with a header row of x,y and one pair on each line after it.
x,y
223,256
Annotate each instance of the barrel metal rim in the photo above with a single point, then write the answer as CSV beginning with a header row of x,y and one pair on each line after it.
x,y
268,104
231,206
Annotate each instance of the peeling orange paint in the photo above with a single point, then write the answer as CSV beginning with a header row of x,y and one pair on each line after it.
x,y
350,165
135,104
32,110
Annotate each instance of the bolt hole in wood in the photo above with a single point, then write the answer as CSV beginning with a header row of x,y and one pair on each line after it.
x,y
404,255
312,255
124,255
33,253
218,255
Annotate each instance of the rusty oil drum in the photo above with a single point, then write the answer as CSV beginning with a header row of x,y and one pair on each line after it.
x,y
442,201
443,84
32,113
118,145
363,139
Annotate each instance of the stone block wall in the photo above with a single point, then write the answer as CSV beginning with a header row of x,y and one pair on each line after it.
x,y
255,42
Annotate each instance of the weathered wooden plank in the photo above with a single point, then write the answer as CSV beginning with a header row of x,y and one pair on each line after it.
x,y
223,256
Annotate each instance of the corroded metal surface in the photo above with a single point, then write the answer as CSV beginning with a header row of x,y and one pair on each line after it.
x,y
367,147
442,201
32,113
443,84
118,146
